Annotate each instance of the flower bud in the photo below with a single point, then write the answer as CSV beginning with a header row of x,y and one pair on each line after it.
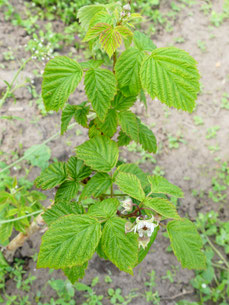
x,y
127,205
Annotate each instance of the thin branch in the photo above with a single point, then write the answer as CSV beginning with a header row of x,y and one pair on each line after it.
x,y
177,295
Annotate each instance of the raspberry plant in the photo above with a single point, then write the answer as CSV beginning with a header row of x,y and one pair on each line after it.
x,y
89,214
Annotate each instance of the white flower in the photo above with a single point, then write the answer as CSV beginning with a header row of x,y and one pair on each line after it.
x,y
143,241
204,285
144,227
127,205
127,7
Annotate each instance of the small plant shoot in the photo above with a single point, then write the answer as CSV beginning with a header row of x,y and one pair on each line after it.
x,y
103,205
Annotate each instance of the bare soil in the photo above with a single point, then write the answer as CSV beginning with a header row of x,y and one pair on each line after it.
x,y
192,160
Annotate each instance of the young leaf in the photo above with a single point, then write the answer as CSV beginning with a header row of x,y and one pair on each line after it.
x,y
60,79
119,247
132,168
147,138
162,206
75,273
94,31
143,42
60,209
186,244
67,114
96,186
122,102
129,124
70,241
127,71
77,170
131,185
52,176
123,139
110,124
171,75
104,209
100,86
91,64
100,153
67,190
86,14
161,185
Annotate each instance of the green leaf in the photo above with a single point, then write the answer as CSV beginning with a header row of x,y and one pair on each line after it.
x,y
104,209
100,153
110,124
143,252
122,102
129,124
91,64
147,138
94,31
119,247
132,168
77,170
38,155
162,207
161,185
186,244
60,209
67,190
171,75
100,86
52,176
3,262
96,186
70,241
123,139
75,273
127,71
131,185
81,114
143,42
67,114
60,79
6,230
86,13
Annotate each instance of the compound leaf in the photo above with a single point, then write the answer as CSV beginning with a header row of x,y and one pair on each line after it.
x,y
52,176
171,75
104,209
96,186
110,124
129,124
131,185
60,79
100,153
67,190
127,71
186,244
70,241
75,273
100,86
122,102
77,170
161,185
67,114
87,13
123,139
81,114
143,42
132,168
119,247
162,207
147,138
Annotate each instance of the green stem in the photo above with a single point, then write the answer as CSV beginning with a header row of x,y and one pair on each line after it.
x,y
32,151
220,267
21,217
113,195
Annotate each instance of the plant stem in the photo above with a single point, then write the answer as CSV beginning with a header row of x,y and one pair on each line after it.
x,y
114,61
113,195
21,217
43,143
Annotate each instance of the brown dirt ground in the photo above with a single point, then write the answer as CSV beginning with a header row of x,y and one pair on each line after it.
x,y
192,159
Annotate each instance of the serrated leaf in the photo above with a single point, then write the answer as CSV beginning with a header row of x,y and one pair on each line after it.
x,y
38,155
171,75
161,185
102,17
104,209
96,186
132,168
70,241
60,79
143,42
147,138
129,124
127,70
100,153
123,139
186,244
91,64
119,247
81,114
75,273
67,190
122,102
162,206
131,185
100,86
110,124
94,31
77,170
93,131
67,114
52,176
60,209
86,14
